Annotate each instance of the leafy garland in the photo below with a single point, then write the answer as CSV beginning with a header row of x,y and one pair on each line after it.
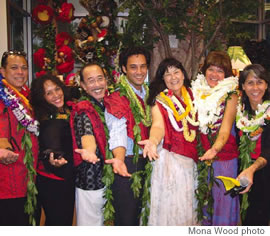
x,y
108,175
145,117
206,181
15,100
206,178
252,130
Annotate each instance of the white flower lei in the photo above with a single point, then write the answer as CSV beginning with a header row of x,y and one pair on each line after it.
x,y
261,114
208,101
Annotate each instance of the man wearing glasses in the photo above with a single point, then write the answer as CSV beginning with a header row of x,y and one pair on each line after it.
x,y
18,142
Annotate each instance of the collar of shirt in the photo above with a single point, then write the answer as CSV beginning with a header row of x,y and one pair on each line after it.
x,y
141,93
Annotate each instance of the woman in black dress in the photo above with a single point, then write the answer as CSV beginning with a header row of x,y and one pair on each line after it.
x,y
55,174
253,122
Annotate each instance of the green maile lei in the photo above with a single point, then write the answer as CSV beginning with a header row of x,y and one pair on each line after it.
x,y
108,175
206,177
31,199
145,117
246,147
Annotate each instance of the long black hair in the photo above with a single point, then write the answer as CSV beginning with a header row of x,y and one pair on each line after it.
x,y
158,84
260,72
42,109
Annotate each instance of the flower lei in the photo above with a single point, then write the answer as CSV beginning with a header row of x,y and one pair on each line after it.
x,y
210,115
17,103
144,117
108,175
178,113
210,104
252,130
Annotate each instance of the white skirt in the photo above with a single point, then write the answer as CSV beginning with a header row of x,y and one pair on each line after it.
x,y
173,184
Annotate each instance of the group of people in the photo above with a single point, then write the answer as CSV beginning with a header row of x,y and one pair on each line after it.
x,y
164,144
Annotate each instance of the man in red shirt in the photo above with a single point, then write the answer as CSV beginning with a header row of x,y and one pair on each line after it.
x,y
18,136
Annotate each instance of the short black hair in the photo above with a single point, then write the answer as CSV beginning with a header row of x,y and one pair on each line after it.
x,y
88,65
126,53
9,53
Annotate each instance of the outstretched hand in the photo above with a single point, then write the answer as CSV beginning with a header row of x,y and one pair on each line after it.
x,y
149,150
57,162
119,167
88,156
210,154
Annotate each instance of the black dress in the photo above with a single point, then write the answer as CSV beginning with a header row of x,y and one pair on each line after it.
x,y
55,195
258,211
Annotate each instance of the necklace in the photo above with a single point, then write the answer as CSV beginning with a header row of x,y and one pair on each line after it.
x,y
210,102
145,115
108,175
252,126
252,130
174,106
13,99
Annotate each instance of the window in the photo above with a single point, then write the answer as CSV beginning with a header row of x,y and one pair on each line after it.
x,y
19,28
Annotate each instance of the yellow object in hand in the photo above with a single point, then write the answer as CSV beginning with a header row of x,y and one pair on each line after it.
x,y
228,182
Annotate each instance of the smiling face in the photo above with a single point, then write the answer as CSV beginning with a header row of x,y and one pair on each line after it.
x,y
94,82
254,88
16,71
174,79
136,70
213,75
53,94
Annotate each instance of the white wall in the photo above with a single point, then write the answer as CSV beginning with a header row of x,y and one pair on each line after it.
x,y
3,27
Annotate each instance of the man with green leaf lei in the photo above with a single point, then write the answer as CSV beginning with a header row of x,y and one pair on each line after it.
x,y
18,133
253,122
90,136
128,119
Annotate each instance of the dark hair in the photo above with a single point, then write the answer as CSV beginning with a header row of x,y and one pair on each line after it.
x,y
88,65
259,72
42,109
126,53
9,53
158,84
220,59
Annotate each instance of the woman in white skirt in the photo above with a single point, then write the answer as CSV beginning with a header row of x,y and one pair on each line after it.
x,y
172,147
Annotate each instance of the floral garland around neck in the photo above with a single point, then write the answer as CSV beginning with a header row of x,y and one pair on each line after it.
x,y
252,128
210,102
178,113
15,100
145,117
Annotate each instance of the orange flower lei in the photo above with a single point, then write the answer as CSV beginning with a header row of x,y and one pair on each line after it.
x,y
24,99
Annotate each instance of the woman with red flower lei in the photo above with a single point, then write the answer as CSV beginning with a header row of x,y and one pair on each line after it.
x,y
172,146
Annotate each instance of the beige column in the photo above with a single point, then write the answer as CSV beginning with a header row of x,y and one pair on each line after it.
x,y
3,27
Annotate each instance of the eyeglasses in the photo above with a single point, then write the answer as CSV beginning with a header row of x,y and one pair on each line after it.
x,y
11,52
